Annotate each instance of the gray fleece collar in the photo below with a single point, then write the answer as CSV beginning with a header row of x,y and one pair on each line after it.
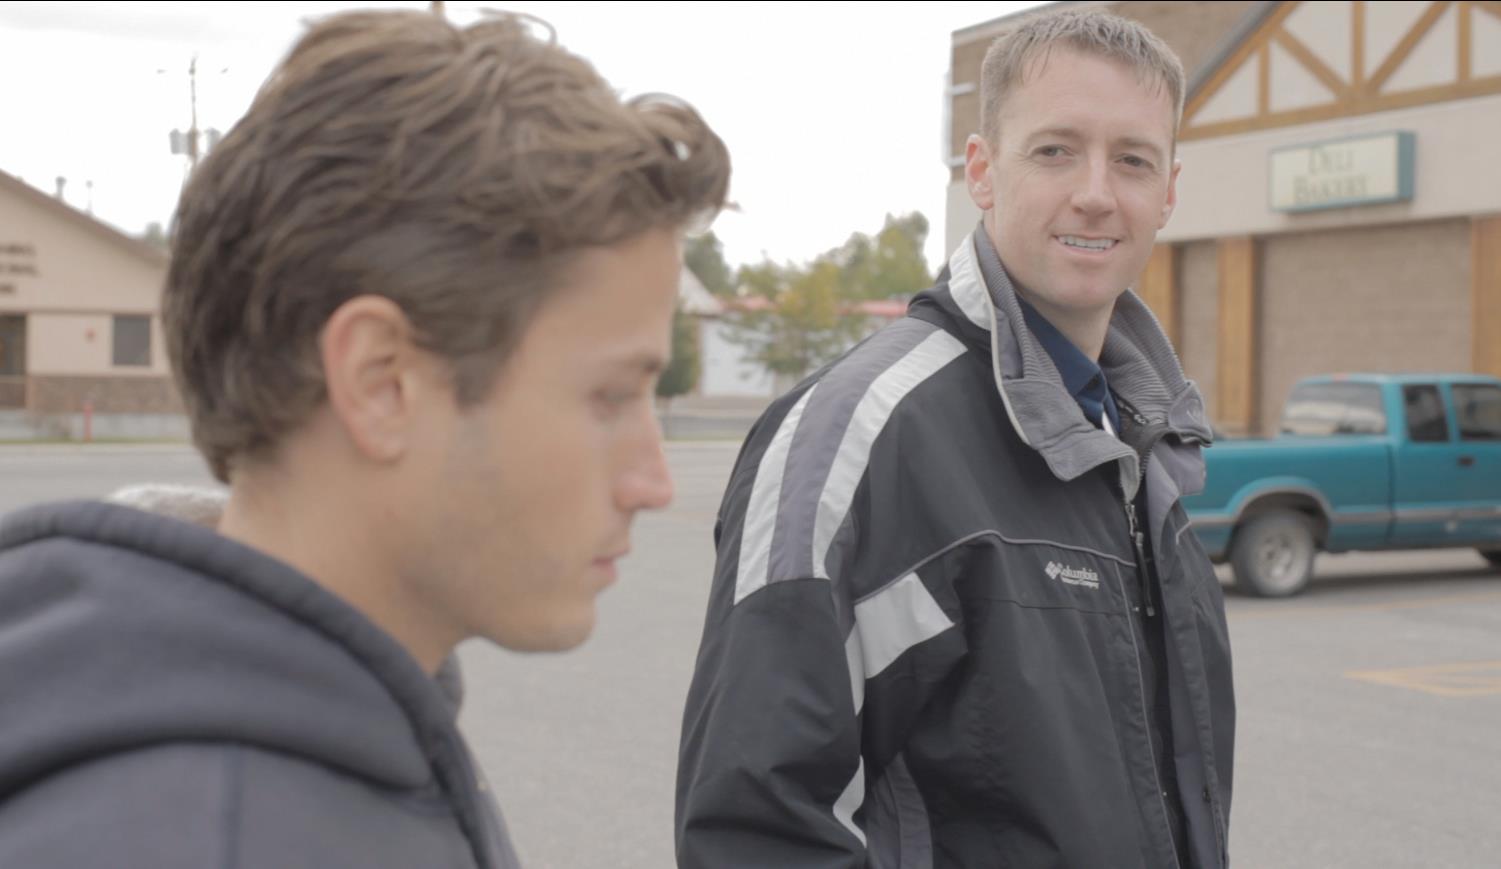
x,y
1137,359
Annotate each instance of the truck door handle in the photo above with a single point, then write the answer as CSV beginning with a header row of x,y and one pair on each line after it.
x,y
1466,461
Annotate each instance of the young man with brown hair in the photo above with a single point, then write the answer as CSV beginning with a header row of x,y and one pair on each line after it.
x,y
958,619
418,300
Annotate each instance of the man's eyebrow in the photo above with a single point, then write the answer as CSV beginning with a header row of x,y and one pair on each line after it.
x,y
1131,142
1056,133
1141,145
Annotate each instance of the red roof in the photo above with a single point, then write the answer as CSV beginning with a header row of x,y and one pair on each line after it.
x,y
888,309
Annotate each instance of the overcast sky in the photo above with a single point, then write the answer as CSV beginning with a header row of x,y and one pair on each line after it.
x,y
833,111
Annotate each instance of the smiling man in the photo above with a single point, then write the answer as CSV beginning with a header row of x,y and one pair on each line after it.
x,y
418,301
956,619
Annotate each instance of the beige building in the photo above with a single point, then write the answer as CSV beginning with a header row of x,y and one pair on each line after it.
x,y
79,324
1340,202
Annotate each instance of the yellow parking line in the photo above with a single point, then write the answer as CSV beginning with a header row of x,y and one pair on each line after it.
x,y
1468,679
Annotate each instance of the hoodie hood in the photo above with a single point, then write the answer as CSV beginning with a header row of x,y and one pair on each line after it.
x,y
121,629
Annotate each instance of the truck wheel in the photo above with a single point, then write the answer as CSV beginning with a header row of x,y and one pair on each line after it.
x,y
1273,554
1491,555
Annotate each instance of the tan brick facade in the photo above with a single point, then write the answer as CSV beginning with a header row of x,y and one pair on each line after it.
x,y
1393,298
1192,30
964,108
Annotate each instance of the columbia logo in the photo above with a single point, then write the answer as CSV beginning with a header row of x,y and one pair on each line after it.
x,y
1073,575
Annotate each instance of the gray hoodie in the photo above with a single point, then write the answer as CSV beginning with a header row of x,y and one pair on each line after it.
x,y
175,699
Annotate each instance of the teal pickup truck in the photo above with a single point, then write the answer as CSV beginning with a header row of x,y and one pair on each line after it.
x,y
1361,462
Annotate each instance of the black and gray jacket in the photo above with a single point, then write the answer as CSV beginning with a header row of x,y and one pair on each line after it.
x,y
921,641
174,700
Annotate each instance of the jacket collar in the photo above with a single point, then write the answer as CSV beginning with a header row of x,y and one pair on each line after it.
x,y
1137,359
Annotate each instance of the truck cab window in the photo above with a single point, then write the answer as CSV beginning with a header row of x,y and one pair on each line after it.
x,y
1426,420
1479,410
1322,409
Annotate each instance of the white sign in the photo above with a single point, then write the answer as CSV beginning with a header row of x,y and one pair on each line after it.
x,y
1345,172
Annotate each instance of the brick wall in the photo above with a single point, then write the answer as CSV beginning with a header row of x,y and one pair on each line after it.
x,y
58,394
1393,299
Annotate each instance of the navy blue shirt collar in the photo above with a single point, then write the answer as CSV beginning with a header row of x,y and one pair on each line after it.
x,y
1081,375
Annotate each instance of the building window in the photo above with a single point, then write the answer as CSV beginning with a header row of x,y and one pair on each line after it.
x,y
132,340
12,345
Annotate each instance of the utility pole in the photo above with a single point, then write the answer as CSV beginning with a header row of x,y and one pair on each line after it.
x,y
189,143
193,99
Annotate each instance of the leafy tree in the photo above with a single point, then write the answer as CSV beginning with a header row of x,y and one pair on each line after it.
x,y
682,371
704,256
794,319
888,265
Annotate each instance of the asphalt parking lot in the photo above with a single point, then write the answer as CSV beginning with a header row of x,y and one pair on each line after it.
x,y
1370,707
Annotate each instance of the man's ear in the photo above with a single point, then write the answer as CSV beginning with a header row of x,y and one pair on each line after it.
x,y
372,370
1171,203
977,158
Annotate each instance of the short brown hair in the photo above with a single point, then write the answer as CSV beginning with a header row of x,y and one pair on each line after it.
x,y
1090,31
455,171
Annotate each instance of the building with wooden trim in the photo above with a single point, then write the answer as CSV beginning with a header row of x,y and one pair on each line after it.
x,y
1340,201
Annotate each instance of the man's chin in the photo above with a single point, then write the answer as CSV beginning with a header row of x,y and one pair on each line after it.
x,y
558,634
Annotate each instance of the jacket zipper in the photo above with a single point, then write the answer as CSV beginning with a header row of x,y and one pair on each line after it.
x,y
1138,536
1137,539
1219,827
1141,692
1138,543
